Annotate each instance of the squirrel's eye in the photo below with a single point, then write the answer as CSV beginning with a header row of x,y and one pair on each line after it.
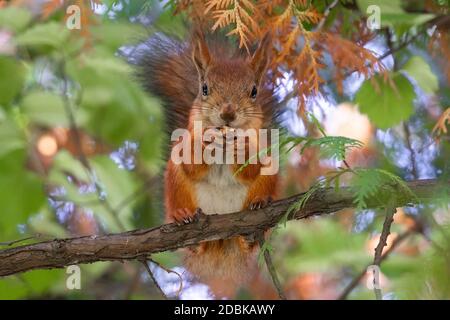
x,y
205,89
254,92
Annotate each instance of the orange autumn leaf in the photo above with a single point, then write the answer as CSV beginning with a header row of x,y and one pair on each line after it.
x,y
241,14
348,57
300,44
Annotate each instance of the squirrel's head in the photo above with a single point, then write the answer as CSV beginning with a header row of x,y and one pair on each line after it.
x,y
230,88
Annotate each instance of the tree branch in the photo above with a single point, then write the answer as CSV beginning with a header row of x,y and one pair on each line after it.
x,y
271,267
326,13
132,245
388,220
354,283
152,276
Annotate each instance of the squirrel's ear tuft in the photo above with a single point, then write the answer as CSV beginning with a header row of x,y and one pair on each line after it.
x,y
200,53
261,57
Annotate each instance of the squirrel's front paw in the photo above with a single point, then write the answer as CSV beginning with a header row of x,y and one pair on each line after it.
x,y
260,202
185,216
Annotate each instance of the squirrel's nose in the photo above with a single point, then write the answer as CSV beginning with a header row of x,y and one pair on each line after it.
x,y
228,112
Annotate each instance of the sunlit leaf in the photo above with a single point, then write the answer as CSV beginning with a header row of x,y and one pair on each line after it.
x,y
14,18
45,108
115,34
387,106
32,283
10,136
392,13
22,193
420,70
12,78
51,35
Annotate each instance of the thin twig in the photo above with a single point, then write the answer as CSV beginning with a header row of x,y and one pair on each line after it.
x,y
347,165
352,285
326,13
180,288
152,276
390,211
412,154
10,243
33,237
271,267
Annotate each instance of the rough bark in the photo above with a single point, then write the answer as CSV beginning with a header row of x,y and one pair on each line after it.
x,y
135,244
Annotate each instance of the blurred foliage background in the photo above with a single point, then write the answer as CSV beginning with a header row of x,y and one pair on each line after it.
x,y
81,146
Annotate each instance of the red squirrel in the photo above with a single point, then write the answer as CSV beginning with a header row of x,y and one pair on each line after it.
x,y
209,81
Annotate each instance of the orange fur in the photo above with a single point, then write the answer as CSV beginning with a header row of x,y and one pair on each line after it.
x,y
230,261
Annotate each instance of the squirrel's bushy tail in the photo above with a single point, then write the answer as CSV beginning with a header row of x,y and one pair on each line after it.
x,y
230,261
166,70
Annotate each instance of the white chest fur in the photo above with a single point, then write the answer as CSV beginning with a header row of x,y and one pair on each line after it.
x,y
220,192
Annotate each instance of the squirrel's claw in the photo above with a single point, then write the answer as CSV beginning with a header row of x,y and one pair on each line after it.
x,y
259,203
184,216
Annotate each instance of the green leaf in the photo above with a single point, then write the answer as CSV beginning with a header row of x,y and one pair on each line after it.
x,y
386,6
317,123
379,185
116,185
402,22
12,78
51,35
45,108
65,165
112,104
116,34
31,283
392,14
420,70
301,202
174,25
10,136
14,18
107,65
65,162
22,193
387,106
12,288
366,184
333,147
324,245
46,222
